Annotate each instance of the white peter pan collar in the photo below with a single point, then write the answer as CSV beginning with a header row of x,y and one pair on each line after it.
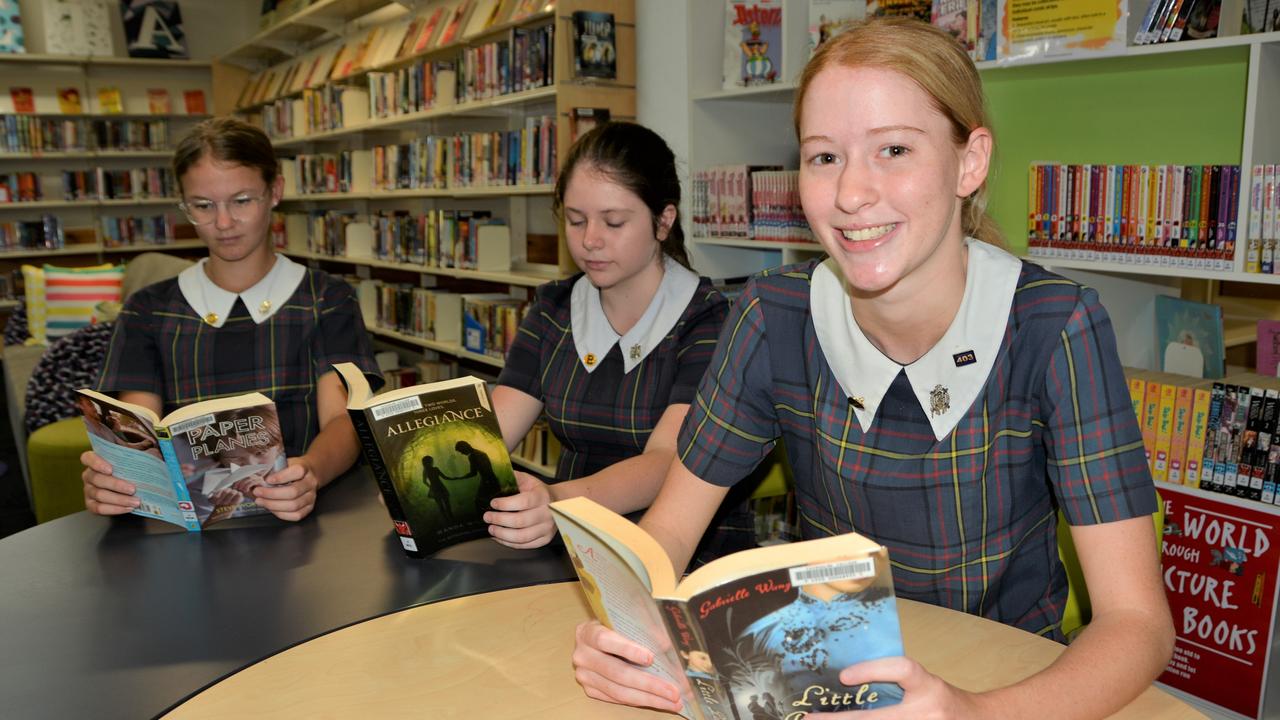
x,y
957,366
594,337
205,297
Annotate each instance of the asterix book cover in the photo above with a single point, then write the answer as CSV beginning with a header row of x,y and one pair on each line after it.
x,y
437,454
195,466
762,633
753,37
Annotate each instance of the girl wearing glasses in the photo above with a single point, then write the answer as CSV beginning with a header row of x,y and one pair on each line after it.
x,y
243,319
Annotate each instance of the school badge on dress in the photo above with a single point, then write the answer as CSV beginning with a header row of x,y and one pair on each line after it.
x,y
635,351
939,400
590,359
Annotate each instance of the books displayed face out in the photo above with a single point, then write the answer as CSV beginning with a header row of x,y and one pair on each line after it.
x,y
595,52
12,39
197,465
153,28
759,633
437,454
752,43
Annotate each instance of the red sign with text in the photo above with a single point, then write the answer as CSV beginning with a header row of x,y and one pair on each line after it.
x,y
1219,564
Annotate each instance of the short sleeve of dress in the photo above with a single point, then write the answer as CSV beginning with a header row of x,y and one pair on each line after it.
x,y
731,423
340,333
698,332
1095,455
133,358
523,364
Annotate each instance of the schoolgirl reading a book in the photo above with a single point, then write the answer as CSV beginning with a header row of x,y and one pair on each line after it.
x,y
934,393
243,319
613,354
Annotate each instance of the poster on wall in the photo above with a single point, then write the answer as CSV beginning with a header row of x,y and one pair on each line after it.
x,y
1057,29
1220,558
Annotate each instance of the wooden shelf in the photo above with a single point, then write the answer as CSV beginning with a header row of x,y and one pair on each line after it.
x,y
37,155
117,116
288,36
140,201
525,279
752,244
486,191
446,348
101,61
145,247
46,205
83,249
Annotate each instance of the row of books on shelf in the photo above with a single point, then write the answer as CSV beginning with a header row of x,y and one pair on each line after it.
x,y
1149,214
526,156
1174,20
382,46
110,101
482,323
158,230
1264,219
748,201
28,134
46,233
442,238
1216,435
105,184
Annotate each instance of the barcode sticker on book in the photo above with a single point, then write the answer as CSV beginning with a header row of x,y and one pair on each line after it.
x,y
833,572
192,424
396,407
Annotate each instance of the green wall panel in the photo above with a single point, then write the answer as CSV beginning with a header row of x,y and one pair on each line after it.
x,y
1179,107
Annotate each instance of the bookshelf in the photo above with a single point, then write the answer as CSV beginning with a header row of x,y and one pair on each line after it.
x,y
536,246
92,143
1140,106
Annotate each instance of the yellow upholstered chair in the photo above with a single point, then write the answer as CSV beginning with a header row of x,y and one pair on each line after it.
x,y
1077,612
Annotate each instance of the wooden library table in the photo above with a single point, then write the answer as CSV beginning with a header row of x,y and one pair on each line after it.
x,y
506,654
127,617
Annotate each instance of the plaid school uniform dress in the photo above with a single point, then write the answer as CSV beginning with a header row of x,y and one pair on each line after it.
x,y
162,345
607,415
966,508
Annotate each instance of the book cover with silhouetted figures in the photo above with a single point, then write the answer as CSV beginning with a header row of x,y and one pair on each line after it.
x,y
761,634
437,454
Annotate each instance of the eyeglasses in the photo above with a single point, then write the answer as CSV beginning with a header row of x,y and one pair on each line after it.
x,y
203,212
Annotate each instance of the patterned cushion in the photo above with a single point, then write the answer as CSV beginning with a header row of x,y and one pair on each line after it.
x,y
33,293
70,295
70,362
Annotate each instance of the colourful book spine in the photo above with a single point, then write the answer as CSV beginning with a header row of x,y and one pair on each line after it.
x,y
1150,413
1181,434
1196,435
1168,395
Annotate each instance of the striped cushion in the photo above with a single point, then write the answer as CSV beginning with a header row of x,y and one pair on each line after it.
x,y
70,295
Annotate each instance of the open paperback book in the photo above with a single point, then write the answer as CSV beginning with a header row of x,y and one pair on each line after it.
x,y
437,454
759,633
195,466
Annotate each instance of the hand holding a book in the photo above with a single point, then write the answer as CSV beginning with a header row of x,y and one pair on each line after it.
x,y
104,493
289,494
523,520
925,695
607,666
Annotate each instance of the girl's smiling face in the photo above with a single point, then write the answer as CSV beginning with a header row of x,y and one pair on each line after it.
x,y
882,179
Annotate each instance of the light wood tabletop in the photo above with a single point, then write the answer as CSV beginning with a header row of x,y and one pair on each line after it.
x,y
506,654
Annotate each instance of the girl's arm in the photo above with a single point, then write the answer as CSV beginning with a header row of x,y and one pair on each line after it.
x,y
1116,657
523,520
290,494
